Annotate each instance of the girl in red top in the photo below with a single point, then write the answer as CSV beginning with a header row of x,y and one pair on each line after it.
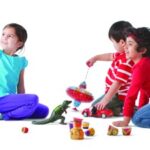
x,y
138,50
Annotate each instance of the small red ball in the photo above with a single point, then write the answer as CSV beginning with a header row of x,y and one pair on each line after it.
x,y
25,129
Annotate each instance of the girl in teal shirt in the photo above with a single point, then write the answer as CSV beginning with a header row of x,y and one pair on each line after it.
x,y
14,103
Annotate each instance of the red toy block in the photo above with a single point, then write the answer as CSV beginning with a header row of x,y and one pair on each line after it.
x,y
126,131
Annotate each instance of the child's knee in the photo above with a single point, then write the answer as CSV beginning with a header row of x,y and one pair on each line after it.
x,y
33,98
45,111
136,120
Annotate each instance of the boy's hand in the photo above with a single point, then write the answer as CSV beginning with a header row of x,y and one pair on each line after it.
x,y
101,105
91,62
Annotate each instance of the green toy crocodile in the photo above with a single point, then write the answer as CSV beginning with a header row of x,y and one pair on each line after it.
x,y
56,114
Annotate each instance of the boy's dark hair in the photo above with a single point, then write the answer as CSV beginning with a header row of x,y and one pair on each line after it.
x,y
142,37
118,29
20,32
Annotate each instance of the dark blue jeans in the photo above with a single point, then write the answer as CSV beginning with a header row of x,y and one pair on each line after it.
x,y
141,117
22,106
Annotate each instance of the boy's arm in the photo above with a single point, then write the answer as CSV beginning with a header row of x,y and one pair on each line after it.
x,y
104,57
20,87
111,92
100,57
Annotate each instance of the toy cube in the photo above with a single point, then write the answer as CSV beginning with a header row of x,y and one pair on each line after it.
x,y
77,122
76,134
90,132
112,131
71,125
126,131
85,125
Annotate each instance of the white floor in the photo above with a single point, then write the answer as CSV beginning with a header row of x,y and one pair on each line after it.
x,y
56,136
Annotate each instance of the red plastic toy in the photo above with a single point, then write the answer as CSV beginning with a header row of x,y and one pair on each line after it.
x,y
79,94
97,113
25,130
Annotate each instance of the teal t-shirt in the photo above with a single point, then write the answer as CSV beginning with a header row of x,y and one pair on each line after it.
x,y
10,68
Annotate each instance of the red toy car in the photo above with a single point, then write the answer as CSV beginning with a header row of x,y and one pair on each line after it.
x,y
97,113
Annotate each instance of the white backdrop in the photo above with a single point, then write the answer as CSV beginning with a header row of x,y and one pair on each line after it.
x,y
62,35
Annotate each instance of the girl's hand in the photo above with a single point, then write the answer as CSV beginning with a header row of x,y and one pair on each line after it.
x,y
122,123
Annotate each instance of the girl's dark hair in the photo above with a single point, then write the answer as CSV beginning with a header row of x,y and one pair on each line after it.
x,y
20,32
142,37
118,29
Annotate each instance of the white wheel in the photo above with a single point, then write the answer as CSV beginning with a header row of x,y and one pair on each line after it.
x,y
104,116
85,114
